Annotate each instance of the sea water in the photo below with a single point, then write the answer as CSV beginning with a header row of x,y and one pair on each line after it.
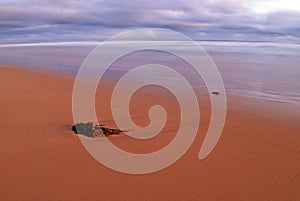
x,y
265,70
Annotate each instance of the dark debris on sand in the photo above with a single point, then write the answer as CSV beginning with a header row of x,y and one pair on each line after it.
x,y
91,129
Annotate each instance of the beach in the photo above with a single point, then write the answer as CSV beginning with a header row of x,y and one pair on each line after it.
x,y
256,158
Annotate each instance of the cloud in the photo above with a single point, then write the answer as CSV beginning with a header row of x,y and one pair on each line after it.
x,y
71,20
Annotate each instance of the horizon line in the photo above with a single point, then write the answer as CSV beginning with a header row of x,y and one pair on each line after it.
x,y
101,41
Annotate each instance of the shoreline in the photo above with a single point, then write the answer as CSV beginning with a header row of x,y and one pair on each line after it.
x,y
268,96
257,157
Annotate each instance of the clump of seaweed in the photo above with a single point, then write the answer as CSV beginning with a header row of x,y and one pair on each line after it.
x,y
216,93
90,129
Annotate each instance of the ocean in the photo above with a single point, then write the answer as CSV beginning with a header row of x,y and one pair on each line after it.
x,y
265,70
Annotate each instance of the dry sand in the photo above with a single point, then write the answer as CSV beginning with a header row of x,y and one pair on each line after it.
x,y
257,157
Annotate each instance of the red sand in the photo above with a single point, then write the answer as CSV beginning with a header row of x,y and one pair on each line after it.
x,y
257,157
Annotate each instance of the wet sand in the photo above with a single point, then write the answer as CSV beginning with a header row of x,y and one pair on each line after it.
x,y
257,157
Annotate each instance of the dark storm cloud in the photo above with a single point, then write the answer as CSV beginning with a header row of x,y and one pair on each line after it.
x,y
70,20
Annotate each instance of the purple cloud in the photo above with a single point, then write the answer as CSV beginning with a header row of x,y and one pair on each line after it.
x,y
71,20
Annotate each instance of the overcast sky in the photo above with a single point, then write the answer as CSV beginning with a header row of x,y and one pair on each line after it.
x,y
23,21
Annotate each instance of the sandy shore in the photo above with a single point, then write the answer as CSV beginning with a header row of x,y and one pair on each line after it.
x,y
257,157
